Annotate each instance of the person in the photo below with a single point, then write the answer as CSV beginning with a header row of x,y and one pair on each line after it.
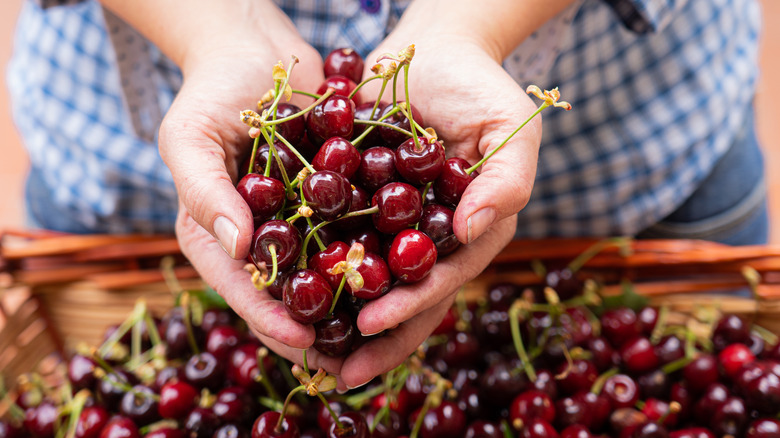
x,y
660,143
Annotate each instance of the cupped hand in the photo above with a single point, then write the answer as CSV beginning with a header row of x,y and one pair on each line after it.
x,y
203,142
474,105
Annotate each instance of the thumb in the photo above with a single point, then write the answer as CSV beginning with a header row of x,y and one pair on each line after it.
x,y
503,186
196,159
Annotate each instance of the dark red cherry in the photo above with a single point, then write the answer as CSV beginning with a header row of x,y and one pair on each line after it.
x,y
391,425
165,432
327,233
175,334
493,328
452,181
647,318
140,405
220,340
231,431
345,62
234,404
545,382
264,195
701,372
377,168
360,201
81,372
733,357
400,206
283,236
654,384
353,424
419,163
580,376
650,429
443,421
177,400
363,112
333,117
571,410
538,428
761,428
275,288
324,418
307,296
602,352
265,427
730,418
576,431
500,384
40,420
338,155
292,130
669,349
328,193
292,164
565,282
713,396
242,367
392,137
656,409
376,278
215,317
109,388
532,404
334,335
763,393
91,422
436,223
597,406
679,393
483,429
692,432
120,427
619,326
342,86
621,391
326,259
201,423
729,330
9,430
204,370
638,355
366,236
412,256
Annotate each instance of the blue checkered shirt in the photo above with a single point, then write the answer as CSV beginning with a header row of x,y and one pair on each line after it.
x,y
660,89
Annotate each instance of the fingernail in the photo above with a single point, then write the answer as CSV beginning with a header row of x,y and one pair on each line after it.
x,y
478,222
344,391
227,235
358,386
371,334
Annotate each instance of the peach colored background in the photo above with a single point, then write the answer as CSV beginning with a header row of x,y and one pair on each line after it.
x,y
14,163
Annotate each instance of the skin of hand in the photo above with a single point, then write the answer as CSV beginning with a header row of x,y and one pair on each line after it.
x,y
460,89
226,55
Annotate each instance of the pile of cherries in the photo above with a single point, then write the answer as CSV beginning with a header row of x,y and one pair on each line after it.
x,y
346,194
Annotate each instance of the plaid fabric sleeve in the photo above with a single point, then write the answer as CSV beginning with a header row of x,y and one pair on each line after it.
x,y
645,16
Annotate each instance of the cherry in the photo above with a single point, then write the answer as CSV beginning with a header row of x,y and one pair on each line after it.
x,y
328,193
571,410
597,406
328,258
655,409
334,335
492,327
461,350
220,340
647,318
264,195
166,375
500,296
109,388
483,429
165,432
654,384
307,296
360,201
265,427
538,428
376,277
400,206
730,418
363,112
201,423
176,400
140,405
342,86
41,420
576,431
392,137
81,372
283,236
275,288
443,421
565,282
669,349
9,430
331,118
91,421
175,333
621,390
292,164
242,366
650,429
602,352
579,376
638,355
714,396
500,384
545,382
338,155
733,357
763,393
532,404
470,401
701,372
204,370
234,405
390,426
345,62
324,418
679,393
625,421
619,326
452,181
292,130
353,424
763,428
377,168
231,431
327,233
436,223
420,163
215,317
692,432
120,427
412,256
730,329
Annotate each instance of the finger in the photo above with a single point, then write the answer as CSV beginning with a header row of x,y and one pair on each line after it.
x,y
259,309
503,186
387,352
404,302
196,155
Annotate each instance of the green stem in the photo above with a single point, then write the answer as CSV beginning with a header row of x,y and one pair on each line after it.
x,y
306,362
594,249
381,92
360,85
306,93
409,105
296,153
368,130
320,243
380,415
306,240
282,86
384,125
255,145
332,413
336,296
302,112
274,265
514,323
418,422
598,385
297,389
491,153
265,380
185,308
273,154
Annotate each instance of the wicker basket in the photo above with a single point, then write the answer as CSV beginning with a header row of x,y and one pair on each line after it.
x,y
64,289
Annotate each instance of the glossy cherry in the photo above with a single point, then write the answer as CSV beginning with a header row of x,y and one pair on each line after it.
x,y
452,181
165,432
140,405
120,427
701,372
353,424
650,429
91,422
763,428
345,62
234,404
292,164
436,223
242,366
705,406
538,428
177,400
377,168
220,340
400,206
326,259
338,155
376,277
730,329
363,112
264,195
576,431
580,376
420,163
483,429
342,86
331,118
443,421
292,130
500,384
412,256
328,193
360,201
638,355
201,422
41,420
109,388
532,404
283,236
265,427
307,296
621,390
619,325
81,372
392,137
730,418
204,370
692,432
733,357
669,349
334,335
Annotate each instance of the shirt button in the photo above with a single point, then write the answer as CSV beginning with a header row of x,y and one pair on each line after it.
x,y
371,6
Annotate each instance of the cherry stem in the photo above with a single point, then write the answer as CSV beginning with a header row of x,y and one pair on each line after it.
x,y
297,154
302,261
381,92
297,389
306,93
255,145
15,411
368,130
302,112
272,154
265,380
137,314
76,407
332,412
185,310
660,325
418,422
514,323
360,85
337,295
598,385
380,415
621,242
409,105
415,125
381,124
317,239
282,87
274,264
395,84
499,147
306,362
